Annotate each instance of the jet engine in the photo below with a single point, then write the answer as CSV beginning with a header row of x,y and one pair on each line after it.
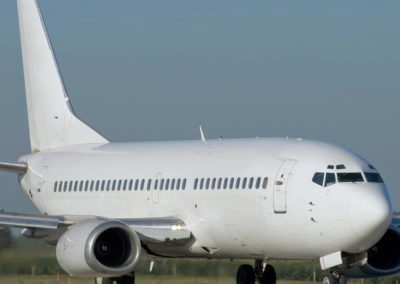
x,y
381,259
98,248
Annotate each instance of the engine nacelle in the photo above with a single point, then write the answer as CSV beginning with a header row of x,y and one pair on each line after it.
x,y
382,259
98,248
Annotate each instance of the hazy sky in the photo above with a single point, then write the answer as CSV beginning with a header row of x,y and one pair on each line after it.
x,y
155,70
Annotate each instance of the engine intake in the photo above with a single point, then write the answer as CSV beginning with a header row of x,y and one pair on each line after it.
x,y
382,259
98,248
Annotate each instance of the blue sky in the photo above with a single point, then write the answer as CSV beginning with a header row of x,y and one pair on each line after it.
x,y
155,70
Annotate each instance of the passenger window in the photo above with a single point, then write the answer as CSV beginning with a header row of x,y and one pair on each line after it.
x,y
196,181
65,186
258,183
226,183
142,184
156,184
114,185
237,183
97,185
162,184
219,186
265,183
208,183
232,182
318,178
81,183
91,185
119,186
70,186
167,184
136,184
125,184
172,184
214,180
178,184
87,185
60,186
76,185
103,185
330,179
184,184
148,184
130,184
244,183
201,183
251,181
108,185
55,186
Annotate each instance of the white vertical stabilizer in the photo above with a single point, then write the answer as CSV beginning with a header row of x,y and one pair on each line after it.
x,y
52,123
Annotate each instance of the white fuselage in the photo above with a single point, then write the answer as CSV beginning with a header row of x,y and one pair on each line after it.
x,y
291,218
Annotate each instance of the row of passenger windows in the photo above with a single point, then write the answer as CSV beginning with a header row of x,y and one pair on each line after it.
x,y
121,185
160,184
230,183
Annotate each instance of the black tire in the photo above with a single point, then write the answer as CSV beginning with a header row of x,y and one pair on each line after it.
x,y
330,279
126,280
342,279
269,275
103,281
245,274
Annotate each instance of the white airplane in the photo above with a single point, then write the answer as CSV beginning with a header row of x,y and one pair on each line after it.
x,y
104,205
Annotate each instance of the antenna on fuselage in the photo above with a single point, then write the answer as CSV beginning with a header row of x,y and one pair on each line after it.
x,y
203,138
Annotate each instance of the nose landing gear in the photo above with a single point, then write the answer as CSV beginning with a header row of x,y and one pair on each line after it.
x,y
264,273
334,278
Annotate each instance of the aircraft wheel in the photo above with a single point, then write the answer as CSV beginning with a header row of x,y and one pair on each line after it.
x,y
126,280
342,279
329,279
245,275
268,276
103,281
332,279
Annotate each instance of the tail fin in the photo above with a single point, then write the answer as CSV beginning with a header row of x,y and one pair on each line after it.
x,y
52,122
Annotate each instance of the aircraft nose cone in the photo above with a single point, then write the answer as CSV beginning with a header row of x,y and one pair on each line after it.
x,y
370,213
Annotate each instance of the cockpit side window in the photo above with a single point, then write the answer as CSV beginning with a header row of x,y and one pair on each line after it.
x,y
350,177
330,179
373,177
318,178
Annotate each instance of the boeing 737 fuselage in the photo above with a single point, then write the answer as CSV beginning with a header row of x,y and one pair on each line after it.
x,y
105,204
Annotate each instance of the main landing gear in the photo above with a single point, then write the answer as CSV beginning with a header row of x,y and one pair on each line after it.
x,y
127,279
265,273
334,278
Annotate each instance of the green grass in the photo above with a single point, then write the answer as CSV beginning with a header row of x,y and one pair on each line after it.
x,y
139,280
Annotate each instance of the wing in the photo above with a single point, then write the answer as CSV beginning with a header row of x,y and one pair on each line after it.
x,y
149,230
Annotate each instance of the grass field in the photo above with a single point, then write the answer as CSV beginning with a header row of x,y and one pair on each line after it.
x,y
139,280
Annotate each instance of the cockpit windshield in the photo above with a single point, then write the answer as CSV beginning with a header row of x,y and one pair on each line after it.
x,y
373,177
339,174
350,177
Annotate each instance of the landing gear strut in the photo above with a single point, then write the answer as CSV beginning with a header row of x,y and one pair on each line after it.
x,y
265,273
334,278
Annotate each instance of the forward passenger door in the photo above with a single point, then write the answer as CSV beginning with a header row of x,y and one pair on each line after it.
x,y
280,186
